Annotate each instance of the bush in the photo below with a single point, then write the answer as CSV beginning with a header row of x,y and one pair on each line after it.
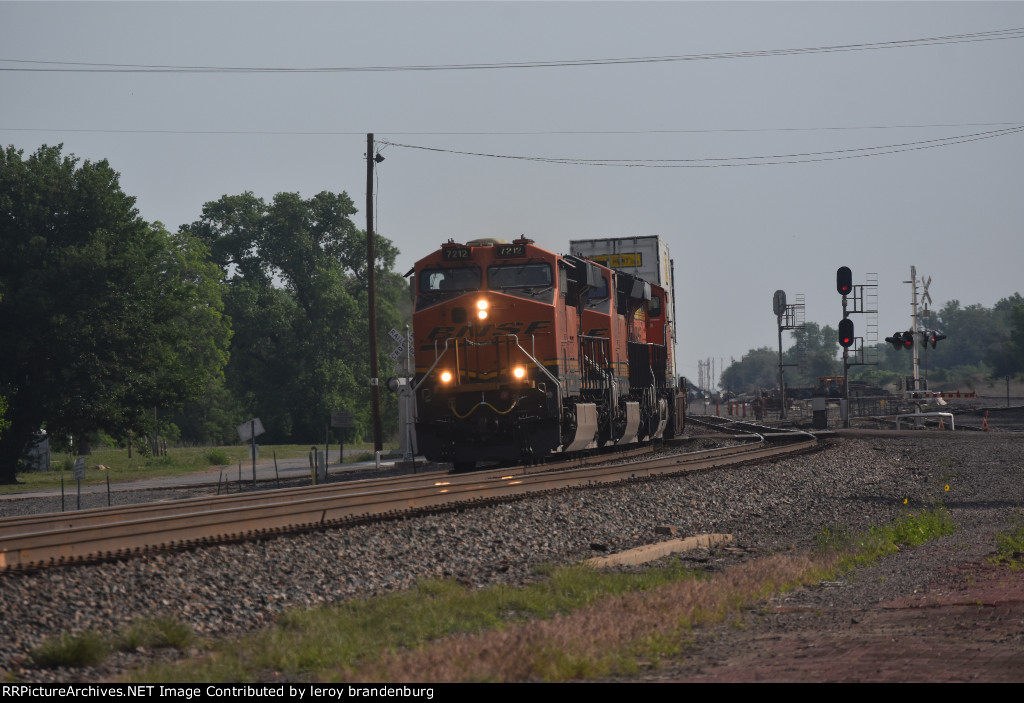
x,y
153,633
87,649
218,457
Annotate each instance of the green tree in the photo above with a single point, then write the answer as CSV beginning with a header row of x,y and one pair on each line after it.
x,y
1016,346
759,368
814,353
297,295
105,315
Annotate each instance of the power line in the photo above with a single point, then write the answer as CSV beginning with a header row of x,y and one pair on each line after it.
x,y
768,160
256,132
89,67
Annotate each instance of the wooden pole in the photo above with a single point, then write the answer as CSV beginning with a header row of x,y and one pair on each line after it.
x,y
371,281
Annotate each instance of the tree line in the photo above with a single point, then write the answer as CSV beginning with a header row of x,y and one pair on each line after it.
x,y
980,342
115,327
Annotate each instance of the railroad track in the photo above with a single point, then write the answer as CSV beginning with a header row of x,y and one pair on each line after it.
x,y
40,541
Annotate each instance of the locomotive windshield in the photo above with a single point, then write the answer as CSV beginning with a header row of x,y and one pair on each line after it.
x,y
519,276
525,280
440,284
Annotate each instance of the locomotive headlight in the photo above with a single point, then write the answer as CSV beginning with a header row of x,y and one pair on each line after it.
x,y
482,314
446,376
481,309
519,372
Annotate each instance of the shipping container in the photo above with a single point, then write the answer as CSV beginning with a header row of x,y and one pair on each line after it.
x,y
646,257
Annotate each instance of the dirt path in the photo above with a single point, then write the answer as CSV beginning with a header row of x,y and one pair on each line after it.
x,y
963,621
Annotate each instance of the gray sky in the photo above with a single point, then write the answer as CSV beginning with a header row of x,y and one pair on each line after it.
x,y
737,233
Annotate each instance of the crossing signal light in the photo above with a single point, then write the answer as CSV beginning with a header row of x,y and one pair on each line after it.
x,y
901,340
935,337
846,332
844,280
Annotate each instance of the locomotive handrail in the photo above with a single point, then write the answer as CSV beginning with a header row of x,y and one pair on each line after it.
x,y
537,363
514,337
434,365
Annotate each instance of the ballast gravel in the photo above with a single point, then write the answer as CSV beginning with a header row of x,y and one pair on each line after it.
x,y
774,506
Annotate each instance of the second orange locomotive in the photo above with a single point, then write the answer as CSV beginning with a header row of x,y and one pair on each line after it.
x,y
521,352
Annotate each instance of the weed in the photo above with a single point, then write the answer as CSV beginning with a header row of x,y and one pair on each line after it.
x,y
153,633
573,622
217,457
86,649
1010,549
867,548
832,538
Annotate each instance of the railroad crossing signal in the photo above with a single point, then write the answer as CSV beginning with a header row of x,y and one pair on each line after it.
x,y
901,340
933,336
846,332
844,280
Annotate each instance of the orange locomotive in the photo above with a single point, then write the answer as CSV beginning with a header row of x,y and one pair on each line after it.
x,y
521,353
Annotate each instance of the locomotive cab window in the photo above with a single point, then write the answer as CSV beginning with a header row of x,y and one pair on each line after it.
x,y
597,297
529,280
654,306
436,285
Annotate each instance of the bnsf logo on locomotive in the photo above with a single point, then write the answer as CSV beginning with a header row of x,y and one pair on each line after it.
x,y
535,327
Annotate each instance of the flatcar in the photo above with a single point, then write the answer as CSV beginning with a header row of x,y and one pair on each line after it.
x,y
521,353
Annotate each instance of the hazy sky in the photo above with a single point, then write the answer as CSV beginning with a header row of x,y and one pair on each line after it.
x,y
738,227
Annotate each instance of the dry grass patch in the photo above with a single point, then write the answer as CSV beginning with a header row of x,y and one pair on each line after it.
x,y
575,623
608,637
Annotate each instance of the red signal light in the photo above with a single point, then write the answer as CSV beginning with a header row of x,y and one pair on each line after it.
x,y
844,280
846,332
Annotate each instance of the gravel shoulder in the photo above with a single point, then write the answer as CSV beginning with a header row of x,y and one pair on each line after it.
x,y
775,506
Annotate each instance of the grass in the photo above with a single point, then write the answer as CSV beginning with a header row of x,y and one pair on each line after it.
x,y
218,457
93,647
575,623
854,551
177,462
572,623
339,637
85,649
154,633
1010,549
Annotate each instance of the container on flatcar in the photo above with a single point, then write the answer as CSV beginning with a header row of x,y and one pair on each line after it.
x,y
645,257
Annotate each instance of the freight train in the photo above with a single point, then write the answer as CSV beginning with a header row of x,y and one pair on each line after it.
x,y
521,353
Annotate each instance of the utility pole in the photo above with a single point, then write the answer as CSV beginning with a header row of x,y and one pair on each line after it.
x,y
913,320
371,282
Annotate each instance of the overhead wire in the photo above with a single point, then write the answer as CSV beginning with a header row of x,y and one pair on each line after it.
x,y
705,162
765,160
489,133
48,66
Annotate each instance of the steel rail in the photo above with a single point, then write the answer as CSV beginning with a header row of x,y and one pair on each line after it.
x,y
78,519
199,521
116,514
